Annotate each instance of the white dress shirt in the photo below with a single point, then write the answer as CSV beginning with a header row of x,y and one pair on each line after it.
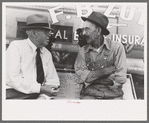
x,y
21,67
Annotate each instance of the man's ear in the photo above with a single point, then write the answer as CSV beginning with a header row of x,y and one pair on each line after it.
x,y
34,33
99,30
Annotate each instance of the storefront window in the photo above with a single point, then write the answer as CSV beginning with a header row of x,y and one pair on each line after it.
x,y
20,32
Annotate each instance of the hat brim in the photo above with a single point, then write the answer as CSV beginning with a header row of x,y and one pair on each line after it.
x,y
104,30
35,27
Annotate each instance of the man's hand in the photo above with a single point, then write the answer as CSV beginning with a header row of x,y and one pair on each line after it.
x,y
49,90
41,98
106,71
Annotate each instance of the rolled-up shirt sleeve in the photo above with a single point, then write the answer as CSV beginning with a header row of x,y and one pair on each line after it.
x,y
80,66
120,64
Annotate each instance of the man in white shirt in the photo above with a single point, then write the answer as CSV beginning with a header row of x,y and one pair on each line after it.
x,y
22,66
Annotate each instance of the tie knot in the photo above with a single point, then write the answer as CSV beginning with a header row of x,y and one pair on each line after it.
x,y
90,50
38,50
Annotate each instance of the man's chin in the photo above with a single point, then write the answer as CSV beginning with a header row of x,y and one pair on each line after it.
x,y
88,41
46,44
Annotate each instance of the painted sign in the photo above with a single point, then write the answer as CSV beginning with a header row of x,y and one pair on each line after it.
x,y
80,8
63,33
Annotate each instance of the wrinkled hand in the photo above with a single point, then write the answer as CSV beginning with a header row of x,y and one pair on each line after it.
x,y
107,71
49,90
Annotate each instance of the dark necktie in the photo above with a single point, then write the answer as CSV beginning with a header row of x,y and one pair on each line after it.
x,y
40,72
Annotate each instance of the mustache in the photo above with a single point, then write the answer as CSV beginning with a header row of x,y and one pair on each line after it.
x,y
80,34
86,36
81,38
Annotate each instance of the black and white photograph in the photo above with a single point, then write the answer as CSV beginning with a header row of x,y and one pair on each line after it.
x,y
74,61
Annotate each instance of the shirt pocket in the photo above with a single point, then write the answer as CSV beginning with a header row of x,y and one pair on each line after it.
x,y
104,60
108,59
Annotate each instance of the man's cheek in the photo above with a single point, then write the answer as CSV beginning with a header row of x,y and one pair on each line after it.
x,y
87,37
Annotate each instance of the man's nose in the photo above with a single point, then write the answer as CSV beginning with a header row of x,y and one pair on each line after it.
x,y
49,34
83,32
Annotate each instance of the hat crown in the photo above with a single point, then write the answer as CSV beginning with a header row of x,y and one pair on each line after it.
x,y
36,18
37,21
99,19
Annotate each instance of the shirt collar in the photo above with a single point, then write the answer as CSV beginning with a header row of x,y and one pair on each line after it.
x,y
106,43
33,46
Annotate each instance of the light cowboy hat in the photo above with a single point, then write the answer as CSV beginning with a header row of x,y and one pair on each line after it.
x,y
100,20
37,21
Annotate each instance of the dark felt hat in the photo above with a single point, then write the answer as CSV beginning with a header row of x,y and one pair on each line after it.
x,y
100,20
37,21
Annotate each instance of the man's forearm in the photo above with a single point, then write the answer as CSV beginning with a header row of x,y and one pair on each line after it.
x,y
101,73
93,75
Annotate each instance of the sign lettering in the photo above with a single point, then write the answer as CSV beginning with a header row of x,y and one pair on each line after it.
x,y
123,12
63,33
